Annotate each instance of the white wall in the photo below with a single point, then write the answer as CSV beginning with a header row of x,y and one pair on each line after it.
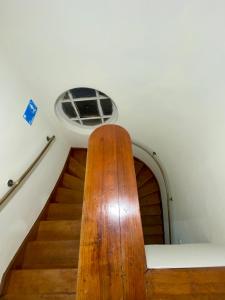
x,y
185,256
162,62
20,144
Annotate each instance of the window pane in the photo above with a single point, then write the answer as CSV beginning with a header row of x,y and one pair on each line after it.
x,y
106,106
87,108
69,110
83,107
66,96
102,94
92,122
83,93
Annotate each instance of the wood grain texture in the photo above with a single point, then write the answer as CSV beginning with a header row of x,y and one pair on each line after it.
x,y
61,211
59,230
148,188
41,297
80,154
112,258
45,269
72,182
150,204
76,169
138,165
191,283
18,258
42,281
64,195
144,176
151,199
51,254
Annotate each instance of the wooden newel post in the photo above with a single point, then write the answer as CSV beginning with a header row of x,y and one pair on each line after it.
x,y
112,258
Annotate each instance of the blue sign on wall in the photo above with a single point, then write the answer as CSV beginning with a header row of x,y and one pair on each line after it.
x,y
30,112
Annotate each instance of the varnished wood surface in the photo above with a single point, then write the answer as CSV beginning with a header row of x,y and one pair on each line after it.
x,y
182,284
31,282
112,258
51,254
46,268
150,204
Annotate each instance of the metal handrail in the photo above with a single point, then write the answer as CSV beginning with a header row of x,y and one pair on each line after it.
x,y
14,184
168,194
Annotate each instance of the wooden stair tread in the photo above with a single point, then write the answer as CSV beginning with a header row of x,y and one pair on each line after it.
x,y
47,265
72,182
194,275
53,254
138,166
152,210
62,211
40,297
75,168
151,199
57,281
150,204
80,155
193,296
144,175
153,230
64,195
206,288
151,220
201,283
49,262
151,186
59,230
153,239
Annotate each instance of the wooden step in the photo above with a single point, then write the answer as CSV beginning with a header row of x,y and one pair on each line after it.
x,y
153,239
144,175
152,210
64,195
76,169
193,296
40,282
153,230
138,166
197,283
149,187
72,182
62,211
151,199
151,220
80,155
53,254
59,230
40,297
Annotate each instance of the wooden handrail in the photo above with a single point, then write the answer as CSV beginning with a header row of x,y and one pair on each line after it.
x,y
15,184
112,261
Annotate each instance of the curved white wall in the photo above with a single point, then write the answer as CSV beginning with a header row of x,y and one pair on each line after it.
x,y
162,62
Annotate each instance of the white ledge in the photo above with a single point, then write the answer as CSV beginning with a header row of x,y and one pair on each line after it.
x,y
185,256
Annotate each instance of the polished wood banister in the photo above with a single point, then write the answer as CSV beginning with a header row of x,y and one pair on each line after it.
x,y
112,261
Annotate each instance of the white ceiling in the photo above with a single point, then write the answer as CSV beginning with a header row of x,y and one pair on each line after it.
x,y
160,55
162,62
